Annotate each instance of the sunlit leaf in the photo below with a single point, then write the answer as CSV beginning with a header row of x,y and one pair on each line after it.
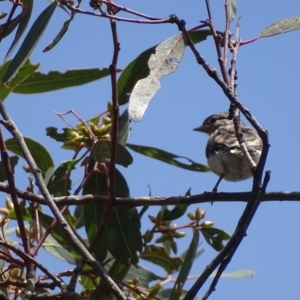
x,y
169,158
236,274
40,154
282,26
24,72
139,69
166,59
232,9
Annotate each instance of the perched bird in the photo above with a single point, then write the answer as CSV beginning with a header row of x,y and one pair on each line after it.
x,y
224,155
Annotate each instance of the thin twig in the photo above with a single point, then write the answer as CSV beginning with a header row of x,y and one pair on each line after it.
x,y
112,17
27,257
15,200
208,9
12,11
232,245
12,128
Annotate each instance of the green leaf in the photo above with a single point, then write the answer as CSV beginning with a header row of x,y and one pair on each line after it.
x,y
25,71
13,162
11,26
56,249
30,42
79,215
143,275
123,156
61,33
60,237
60,183
169,158
2,262
88,282
138,68
187,264
122,236
4,291
54,80
232,9
166,293
118,270
101,152
124,128
68,134
282,26
178,211
215,237
25,17
159,256
40,154
27,213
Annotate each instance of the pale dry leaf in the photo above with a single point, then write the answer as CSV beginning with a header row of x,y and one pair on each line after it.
x,y
167,56
282,26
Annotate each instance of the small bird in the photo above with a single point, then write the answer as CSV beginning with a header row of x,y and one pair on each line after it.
x,y
224,155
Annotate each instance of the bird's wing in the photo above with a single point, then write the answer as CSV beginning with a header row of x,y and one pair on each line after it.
x,y
224,138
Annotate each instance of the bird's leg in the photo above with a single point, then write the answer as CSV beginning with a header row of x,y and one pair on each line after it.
x,y
215,189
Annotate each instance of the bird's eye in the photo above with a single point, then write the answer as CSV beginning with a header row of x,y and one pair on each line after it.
x,y
213,120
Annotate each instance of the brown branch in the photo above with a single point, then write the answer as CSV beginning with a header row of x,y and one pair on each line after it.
x,y
27,258
128,10
12,128
258,190
13,194
206,197
113,17
237,236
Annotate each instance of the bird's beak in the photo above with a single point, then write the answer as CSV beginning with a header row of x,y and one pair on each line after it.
x,y
202,128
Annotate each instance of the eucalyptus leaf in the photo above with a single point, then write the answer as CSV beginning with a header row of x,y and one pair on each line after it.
x,y
169,158
55,80
282,26
13,162
23,22
166,59
139,69
30,42
187,264
40,154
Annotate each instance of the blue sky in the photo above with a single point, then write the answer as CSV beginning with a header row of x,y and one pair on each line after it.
x,y
268,72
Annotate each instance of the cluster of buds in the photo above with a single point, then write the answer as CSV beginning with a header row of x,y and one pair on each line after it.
x,y
86,135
